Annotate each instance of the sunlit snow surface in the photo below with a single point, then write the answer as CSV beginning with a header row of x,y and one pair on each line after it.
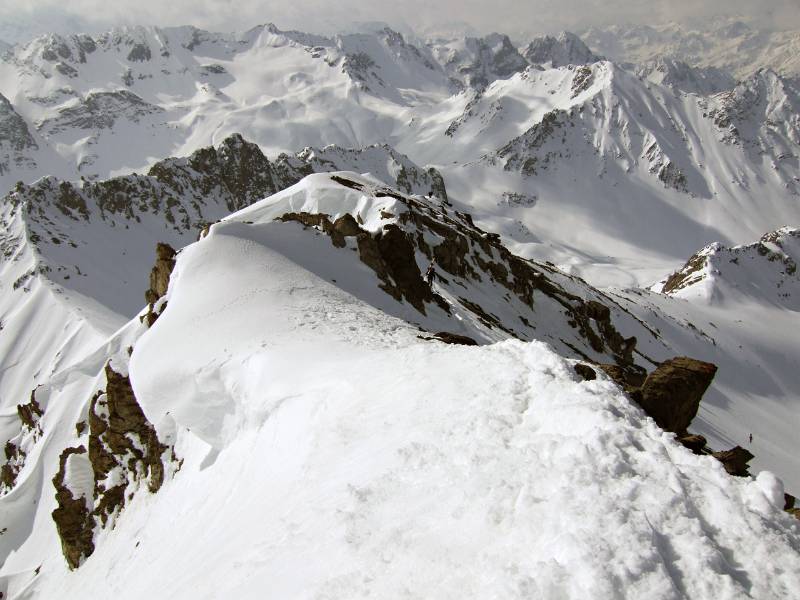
x,y
330,453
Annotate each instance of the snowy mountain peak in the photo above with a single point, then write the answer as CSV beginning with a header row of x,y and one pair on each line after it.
x,y
679,75
762,272
477,62
245,393
564,49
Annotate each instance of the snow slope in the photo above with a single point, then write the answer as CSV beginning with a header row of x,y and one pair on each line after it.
x,y
737,307
314,466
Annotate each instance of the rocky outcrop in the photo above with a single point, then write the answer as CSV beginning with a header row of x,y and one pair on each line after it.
x,y
74,521
390,253
694,442
30,413
586,372
467,259
15,459
123,450
671,394
452,338
735,460
30,430
159,276
159,282
628,379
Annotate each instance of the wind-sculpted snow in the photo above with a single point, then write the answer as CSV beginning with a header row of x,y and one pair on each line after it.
x,y
299,409
491,471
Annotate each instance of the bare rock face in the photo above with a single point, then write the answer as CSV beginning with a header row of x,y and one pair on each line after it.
x,y
159,281
121,436
586,372
30,413
418,232
123,449
671,394
30,430
694,442
159,275
15,459
73,519
628,379
735,460
454,338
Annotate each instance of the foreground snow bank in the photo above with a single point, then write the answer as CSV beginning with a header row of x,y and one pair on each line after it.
x,y
329,453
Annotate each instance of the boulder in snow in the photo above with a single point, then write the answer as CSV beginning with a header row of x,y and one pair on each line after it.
x,y
671,394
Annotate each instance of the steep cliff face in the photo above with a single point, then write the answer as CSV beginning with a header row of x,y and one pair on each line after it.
x,y
17,145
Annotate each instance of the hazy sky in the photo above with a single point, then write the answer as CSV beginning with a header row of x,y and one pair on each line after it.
x,y
18,18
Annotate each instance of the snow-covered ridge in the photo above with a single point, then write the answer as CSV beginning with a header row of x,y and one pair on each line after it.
x,y
763,272
481,290
298,434
680,76
564,49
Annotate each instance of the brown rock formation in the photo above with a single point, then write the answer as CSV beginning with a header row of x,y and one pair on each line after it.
x,y
30,413
695,443
671,394
585,371
73,519
120,438
159,281
159,275
735,460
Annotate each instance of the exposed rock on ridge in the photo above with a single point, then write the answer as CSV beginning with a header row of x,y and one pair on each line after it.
x,y
123,451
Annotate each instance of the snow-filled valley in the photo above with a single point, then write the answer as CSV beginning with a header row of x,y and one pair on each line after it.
x,y
225,372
